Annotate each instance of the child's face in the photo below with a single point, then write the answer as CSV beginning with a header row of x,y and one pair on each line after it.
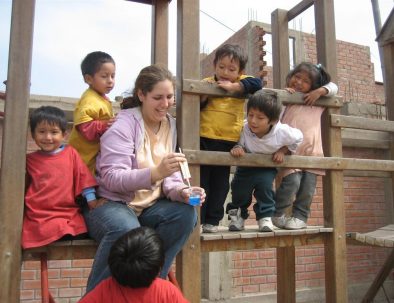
x,y
48,137
258,122
301,82
227,69
103,80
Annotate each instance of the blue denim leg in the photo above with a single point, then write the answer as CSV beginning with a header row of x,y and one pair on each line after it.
x,y
286,192
174,221
241,191
106,224
264,192
302,203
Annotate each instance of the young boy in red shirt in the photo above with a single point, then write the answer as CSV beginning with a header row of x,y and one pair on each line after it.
x,y
55,177
135,261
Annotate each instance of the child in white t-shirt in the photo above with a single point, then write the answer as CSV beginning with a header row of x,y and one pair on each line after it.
x,y
262,133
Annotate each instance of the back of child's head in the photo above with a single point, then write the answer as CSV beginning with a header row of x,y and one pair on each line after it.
x,y
317,73
146,80
92,63
267,103
49,114
137,257
235,52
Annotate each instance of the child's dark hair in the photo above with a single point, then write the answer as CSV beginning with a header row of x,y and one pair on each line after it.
x,y
317,73
235,52
93,61
136,258
49,114
267,103
148,77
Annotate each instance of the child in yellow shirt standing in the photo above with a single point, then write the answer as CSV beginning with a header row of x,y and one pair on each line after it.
x,y
221,121
93,113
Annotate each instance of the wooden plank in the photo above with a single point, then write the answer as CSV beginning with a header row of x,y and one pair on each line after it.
x,y
299,9
13,160
367,174
383,236
259,160
262,242
286,277
383,273
280,43
159,48
365,138
205,88
188,123
362,123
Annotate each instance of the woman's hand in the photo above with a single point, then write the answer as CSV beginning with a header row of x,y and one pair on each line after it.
x,y
168,165
186,191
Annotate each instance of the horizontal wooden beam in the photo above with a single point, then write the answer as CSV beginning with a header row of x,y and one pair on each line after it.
x,y
367,174
352,137
250,238
362,123
299,9
212,89
259,160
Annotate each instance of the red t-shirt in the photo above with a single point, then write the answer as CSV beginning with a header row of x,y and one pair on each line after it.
x,y
53,182
160,291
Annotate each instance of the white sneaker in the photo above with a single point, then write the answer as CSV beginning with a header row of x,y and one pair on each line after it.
x,y
237,222
265,224
295,223
209,228
280,222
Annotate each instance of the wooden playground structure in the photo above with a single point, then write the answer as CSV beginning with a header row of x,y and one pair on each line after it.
x,y
332,235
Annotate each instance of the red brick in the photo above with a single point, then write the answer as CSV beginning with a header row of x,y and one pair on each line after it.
x,y
70,292
71,272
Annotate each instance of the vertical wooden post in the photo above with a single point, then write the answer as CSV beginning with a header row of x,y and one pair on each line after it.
x,y
334,210
160,32
285,256
188,122
13,159
280,47
388,54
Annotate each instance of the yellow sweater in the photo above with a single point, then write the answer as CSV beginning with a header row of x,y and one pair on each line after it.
x,y
90,107
222,117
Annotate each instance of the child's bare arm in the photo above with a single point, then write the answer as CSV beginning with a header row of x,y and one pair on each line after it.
x,y
231,87
311,97
237,151
279,155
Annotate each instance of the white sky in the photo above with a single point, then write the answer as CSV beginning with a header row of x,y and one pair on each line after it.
x,y
66,30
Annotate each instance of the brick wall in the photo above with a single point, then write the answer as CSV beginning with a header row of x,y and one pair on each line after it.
x,y
255,271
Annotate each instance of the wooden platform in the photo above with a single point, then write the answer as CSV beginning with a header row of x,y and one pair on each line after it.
x,y
250,238
383,237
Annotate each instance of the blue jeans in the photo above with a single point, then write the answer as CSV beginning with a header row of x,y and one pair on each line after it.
x,y
300,188
174,222
256,181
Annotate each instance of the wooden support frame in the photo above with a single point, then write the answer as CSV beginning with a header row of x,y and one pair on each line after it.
x,y
160,32
12,174
188,66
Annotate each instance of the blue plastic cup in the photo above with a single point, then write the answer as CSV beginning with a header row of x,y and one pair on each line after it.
x,y
194,198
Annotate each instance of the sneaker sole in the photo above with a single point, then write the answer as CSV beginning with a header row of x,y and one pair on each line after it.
x,y
265,229
294,228
234,228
